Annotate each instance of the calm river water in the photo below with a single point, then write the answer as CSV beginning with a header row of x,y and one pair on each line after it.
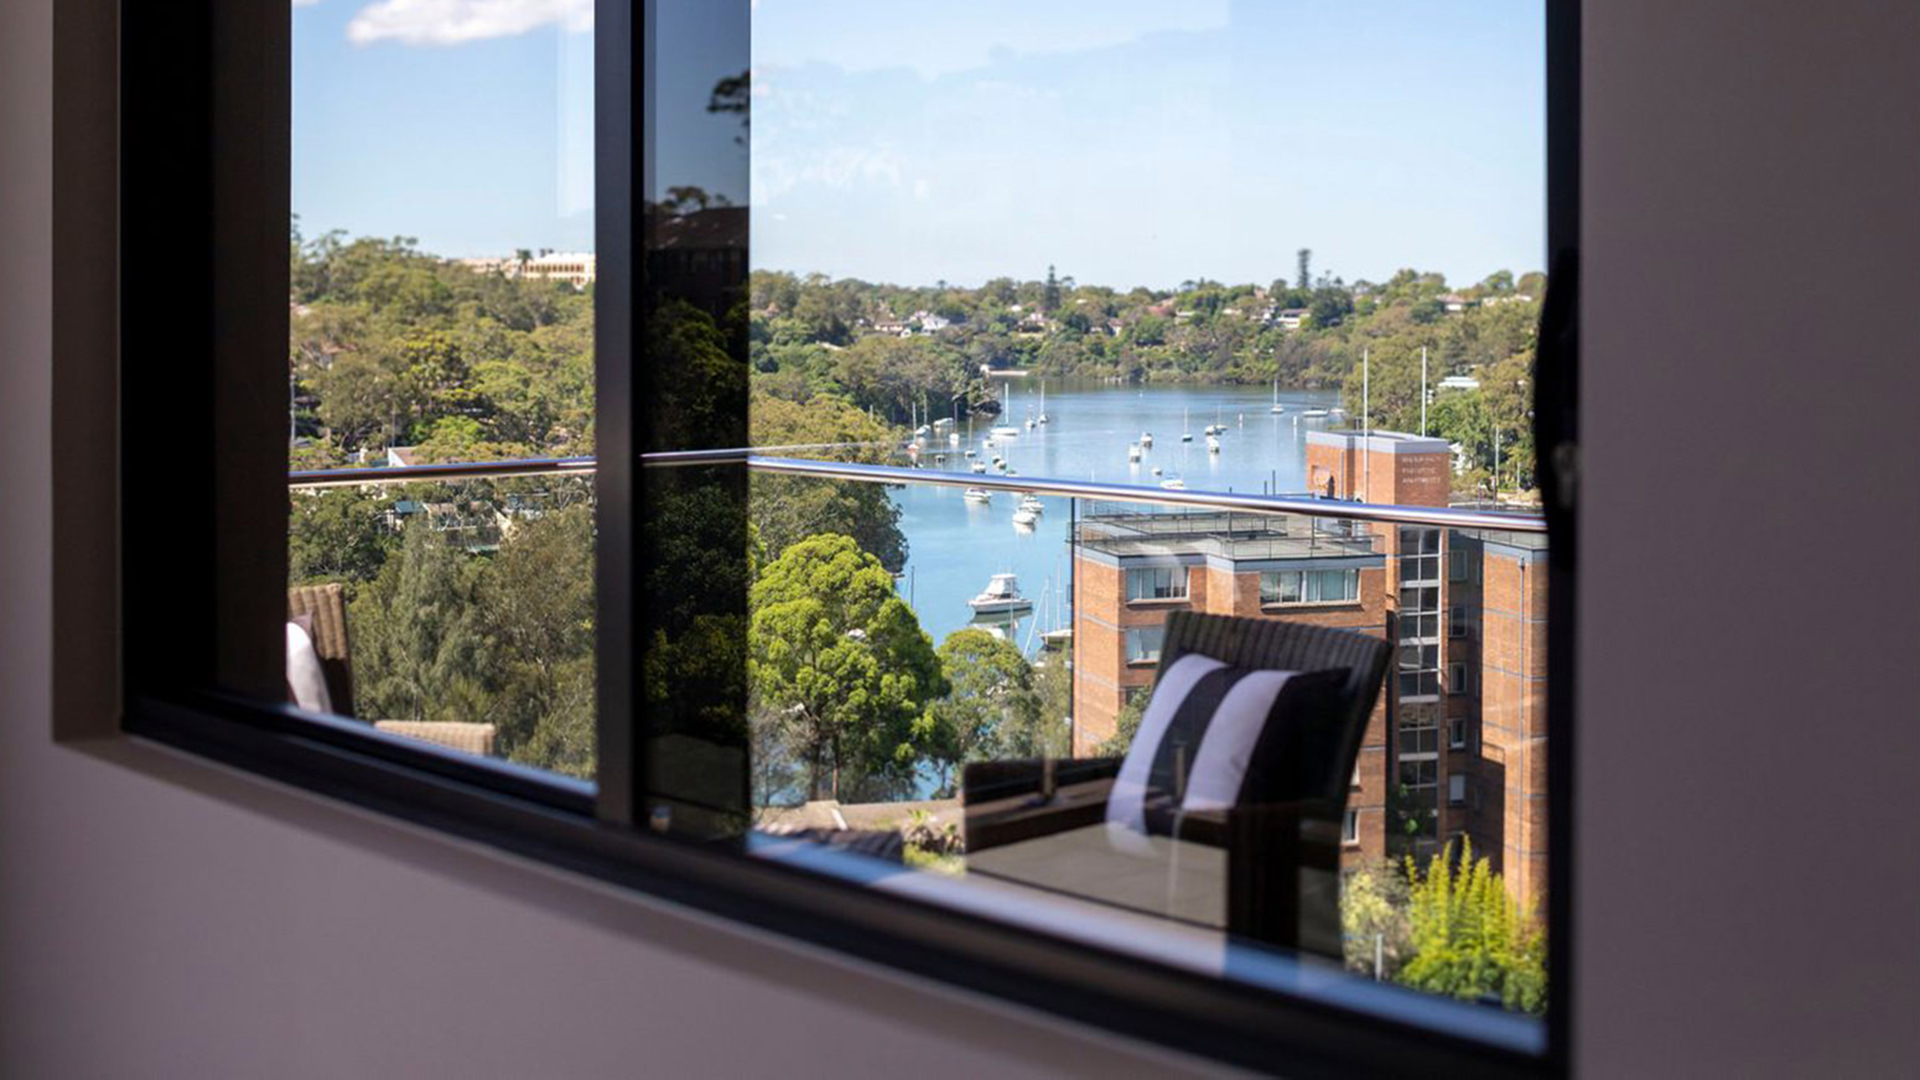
x,y
955,546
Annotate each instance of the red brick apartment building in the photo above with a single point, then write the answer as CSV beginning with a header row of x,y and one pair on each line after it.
x,y
1457,744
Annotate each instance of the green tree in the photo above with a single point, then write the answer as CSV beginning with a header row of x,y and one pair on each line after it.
x,y
1469,939
843,662
787,509
1125,727
538,601
1302,278
1050,295
1373,918
337,534
420,648
990,711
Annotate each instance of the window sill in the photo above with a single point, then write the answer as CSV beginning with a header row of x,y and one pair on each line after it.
x,y
960,937
1314,605
1161,602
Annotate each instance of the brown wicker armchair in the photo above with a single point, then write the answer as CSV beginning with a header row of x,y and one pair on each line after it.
x,y
1281,850
322,609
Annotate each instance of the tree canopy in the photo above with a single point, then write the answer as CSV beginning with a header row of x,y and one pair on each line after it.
x,y
841,659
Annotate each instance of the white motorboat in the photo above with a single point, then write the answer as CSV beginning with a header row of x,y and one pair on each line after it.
x,y
977,495
1032,502
1314,414
1005,431
1174,483
1001,596
1024,518
979,466
969,455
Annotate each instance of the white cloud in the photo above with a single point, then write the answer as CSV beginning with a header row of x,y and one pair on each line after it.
x,y
455,22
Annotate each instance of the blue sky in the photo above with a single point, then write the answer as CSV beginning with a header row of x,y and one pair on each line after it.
x,y
465,123
1126,142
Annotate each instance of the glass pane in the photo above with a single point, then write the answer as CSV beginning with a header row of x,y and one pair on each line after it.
x,y
939,292
442,311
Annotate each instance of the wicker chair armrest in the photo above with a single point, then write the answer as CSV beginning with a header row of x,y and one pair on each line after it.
x,y
989,781
1010,801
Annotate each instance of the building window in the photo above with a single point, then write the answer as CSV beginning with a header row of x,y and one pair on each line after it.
x,y
1457,679
1420,794
1457,733
1143,644
1309,586
1157,583
1419,632
1419,555
1457,621
1350,828
1459,565
1419,737
1457,789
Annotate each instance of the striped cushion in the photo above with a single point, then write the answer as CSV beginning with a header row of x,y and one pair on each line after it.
x,y
1216,736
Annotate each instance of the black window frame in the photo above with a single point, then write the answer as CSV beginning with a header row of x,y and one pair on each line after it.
x,y
204,150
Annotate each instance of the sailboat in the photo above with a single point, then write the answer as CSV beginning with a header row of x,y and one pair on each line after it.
x,y
1277,407
1213,444
1133,453
1043,404
1146,440
1005,431
1186,428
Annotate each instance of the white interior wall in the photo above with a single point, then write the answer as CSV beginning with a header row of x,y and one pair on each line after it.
x,y
1749,749
1748,848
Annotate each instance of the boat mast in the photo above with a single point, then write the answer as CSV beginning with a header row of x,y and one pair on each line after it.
x,y
1423,391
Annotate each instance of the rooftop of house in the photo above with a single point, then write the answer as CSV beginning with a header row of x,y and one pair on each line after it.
x,y
1379,442
1116,534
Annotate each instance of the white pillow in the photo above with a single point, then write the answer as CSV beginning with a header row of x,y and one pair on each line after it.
x,y
304,677
1198,737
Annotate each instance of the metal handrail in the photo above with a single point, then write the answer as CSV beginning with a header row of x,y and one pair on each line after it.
x,y
1440,517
